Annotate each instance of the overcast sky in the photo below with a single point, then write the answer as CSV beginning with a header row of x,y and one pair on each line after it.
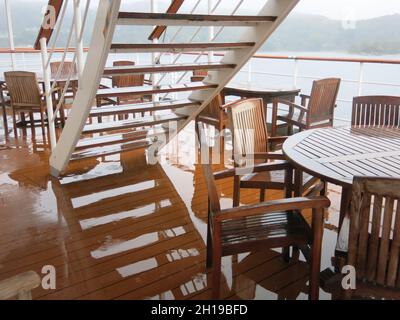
x,y
335,9
342,9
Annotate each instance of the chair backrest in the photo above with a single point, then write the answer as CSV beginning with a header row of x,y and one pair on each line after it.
x,y
68,67
248,127
323,100
374,238
199,75
132,80
23,88
213,197
213,110
376,111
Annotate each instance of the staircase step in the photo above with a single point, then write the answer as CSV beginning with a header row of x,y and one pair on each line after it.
x,y
132,123
168,19
149,90
178,47
111,149
159,30
159,68
111,139
142,107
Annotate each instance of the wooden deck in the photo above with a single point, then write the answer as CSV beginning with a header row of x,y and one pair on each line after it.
x,y
120,228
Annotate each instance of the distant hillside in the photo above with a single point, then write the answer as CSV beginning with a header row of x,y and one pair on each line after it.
x,y
299,32
316,33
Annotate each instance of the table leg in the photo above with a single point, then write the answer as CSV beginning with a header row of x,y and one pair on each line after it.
x,y
344,204
3,104
298,183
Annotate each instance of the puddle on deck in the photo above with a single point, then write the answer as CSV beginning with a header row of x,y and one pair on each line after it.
x,y
118,228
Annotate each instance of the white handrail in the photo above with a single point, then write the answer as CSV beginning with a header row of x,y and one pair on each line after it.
x,y
60,22
77,27
79,36
191,39
237,7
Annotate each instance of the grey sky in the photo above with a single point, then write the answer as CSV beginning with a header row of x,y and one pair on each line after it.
x,y
349,9
335,9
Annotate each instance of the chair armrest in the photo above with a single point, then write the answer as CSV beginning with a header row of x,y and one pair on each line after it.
x,y
291,104
282,205
305,96
269,156
272,166
280,139
228,173
229,104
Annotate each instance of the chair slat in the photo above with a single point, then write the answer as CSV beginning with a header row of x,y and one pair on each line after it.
x,y
380,111
374,238
394,251
385,242
363,241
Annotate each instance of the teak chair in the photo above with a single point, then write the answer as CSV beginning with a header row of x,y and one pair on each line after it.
x,y
132,80
25,96
215,114
68,68
199,75
374,237
317,113
251,145
5,102
376,111
19,286
273,224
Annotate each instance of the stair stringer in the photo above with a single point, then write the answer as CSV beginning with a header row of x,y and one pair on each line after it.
x,y
107,16
258,34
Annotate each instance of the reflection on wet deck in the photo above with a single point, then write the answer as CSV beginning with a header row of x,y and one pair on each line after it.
x,y
119,228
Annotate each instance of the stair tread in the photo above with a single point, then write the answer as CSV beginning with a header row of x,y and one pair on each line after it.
x,y
142,107
146,18
155,68
176,47
149,90
121,137
111,149
131,123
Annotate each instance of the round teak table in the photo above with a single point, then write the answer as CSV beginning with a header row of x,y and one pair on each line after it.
x,y
337,155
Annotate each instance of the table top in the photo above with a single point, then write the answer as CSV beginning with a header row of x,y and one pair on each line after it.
x,y
337,155
248,87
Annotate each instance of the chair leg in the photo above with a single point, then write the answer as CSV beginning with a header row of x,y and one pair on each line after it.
x,y
216,273
262,195
209,261
5,119
42,113
286,254
298,183
221,138
290,130
32,121
236,191
318,228
98,105
15,123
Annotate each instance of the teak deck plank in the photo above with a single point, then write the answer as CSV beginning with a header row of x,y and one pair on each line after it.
x,y
46,228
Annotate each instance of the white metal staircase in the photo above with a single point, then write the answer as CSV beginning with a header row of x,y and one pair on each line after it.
x,y
76,141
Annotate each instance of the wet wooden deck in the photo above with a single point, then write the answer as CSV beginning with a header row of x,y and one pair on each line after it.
x,y
120,228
